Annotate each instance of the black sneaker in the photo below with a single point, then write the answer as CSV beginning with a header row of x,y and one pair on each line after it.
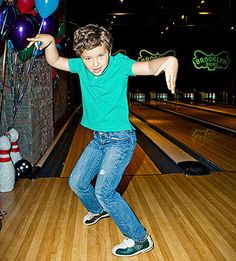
x,y
91,218
131,248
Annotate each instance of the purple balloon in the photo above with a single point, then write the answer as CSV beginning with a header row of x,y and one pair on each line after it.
x,y
23,29
49,25
7,19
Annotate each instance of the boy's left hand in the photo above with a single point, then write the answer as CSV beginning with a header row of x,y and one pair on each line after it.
x,y
170,67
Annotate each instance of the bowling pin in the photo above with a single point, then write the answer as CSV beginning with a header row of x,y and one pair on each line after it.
x,y
7,169
15,151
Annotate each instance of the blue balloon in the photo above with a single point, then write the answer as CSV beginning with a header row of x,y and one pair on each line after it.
x,y
46,7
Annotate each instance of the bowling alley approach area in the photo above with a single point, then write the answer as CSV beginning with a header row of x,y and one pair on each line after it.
x,y
180,183
75,70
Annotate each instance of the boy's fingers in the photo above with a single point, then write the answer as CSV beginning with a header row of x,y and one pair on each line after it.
x,y
30,44
32,39
173,84
38,44
170,81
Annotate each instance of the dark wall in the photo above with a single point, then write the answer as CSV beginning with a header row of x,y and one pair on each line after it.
x,y
185,41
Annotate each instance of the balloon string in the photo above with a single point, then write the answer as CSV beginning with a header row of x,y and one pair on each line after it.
x,y
28,74
25,86
38,44
12,78
4,23
3,77
14,90
41,25
4,62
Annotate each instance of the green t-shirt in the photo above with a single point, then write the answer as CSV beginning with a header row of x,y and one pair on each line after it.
x,y
104,97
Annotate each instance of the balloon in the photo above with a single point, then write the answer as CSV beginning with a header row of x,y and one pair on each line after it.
x,y
59,48
46,7
26,54
61,30
7,19
23,169
32,12
35,20
24,6
54,74
23,29
65,44
49,25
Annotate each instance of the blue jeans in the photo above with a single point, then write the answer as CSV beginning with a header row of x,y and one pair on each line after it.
x,y
106,157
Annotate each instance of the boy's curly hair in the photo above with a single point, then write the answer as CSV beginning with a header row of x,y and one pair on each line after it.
x,y
91,36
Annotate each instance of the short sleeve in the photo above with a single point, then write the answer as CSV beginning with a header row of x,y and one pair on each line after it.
x,y
74,65
124,63
129,64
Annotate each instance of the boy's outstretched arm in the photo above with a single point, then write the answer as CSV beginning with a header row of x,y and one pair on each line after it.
x,y
168,64
47,42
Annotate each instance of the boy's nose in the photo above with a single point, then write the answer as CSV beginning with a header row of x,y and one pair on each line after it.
x,y
95,62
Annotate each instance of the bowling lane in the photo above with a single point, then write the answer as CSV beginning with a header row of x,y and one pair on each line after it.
x,y
213,145
231,110
218,115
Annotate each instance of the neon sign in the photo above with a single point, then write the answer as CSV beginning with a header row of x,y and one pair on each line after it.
x,y
122,51
211,61
145,55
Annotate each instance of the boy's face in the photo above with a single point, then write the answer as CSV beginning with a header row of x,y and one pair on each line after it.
x,y
96,60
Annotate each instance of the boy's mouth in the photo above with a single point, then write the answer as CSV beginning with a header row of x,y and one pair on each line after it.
x,y
97,70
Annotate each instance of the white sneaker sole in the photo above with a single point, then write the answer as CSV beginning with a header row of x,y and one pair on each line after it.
x,y
105,216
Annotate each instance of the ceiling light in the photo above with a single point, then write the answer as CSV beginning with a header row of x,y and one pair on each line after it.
x,y
120,13
205,13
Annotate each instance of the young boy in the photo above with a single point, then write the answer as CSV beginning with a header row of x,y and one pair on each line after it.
x,y
103,80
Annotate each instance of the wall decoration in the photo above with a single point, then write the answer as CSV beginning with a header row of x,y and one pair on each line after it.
x,y
211,62
122,51
145,55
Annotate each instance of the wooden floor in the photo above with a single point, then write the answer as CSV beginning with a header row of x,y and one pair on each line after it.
x,y
189,218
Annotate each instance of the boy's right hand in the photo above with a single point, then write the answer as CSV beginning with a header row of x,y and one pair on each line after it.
x,y
41,41
47,42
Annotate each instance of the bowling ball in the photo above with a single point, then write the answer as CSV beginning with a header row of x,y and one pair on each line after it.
x,y
23,169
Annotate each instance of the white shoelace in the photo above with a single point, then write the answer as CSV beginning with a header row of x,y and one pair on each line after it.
x,y
90,215
127,243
